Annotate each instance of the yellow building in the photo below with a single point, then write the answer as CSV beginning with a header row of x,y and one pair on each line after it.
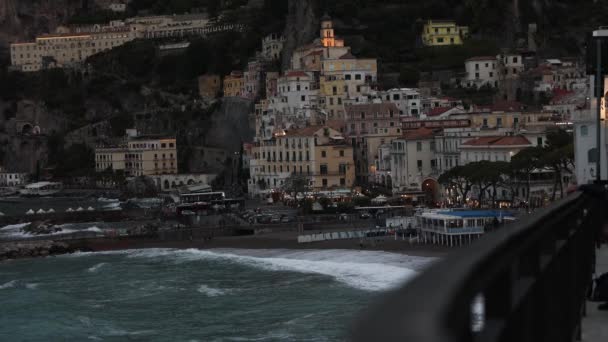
x,y
142,156
318,152
233,84
209,86
333,92
65,49
355,72
443,32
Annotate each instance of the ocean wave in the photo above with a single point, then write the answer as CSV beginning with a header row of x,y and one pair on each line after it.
x,y
110,200
371,271
96,267
15,226
111,205
8,285
210,291
350,267
31,286
365,270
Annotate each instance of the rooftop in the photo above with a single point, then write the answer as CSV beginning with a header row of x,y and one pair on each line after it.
x,y
296,74
419,134
438,111
481,58
475,213
373,107
517,140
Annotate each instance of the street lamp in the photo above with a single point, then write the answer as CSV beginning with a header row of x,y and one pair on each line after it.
x,y
599,35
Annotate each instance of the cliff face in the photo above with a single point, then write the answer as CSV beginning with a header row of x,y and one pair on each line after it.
x,y
24,19
301,28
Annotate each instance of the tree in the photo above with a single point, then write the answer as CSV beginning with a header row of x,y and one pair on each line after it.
x,y
458,177
296,184
484,174
558,155
526,161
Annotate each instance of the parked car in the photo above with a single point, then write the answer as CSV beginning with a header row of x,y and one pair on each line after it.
x,y
365,215
287,219
275,219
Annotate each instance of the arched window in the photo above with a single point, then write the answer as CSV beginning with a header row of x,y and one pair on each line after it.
x,y
592,155
584,130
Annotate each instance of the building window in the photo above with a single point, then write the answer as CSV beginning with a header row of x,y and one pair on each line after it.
x,y
303,98
592,155
341,153
323,154
584,130
324,181
539,141
498,122
342,182
476,75
342,169
433,146
323,169
439,40
419,163
418,146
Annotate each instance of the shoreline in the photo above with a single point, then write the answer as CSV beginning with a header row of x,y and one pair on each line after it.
x,y
271,241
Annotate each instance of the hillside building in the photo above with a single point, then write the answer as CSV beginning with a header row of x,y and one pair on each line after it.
x,y
141,156
443,32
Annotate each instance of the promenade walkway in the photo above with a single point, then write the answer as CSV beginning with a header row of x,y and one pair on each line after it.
x,y
595,324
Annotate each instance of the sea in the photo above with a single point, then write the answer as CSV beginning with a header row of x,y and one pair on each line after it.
x,y
196,295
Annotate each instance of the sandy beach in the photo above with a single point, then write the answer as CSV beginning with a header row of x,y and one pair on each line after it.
x,y
271,241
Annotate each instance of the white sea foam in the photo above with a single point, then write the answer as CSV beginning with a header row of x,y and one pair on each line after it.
x,y
96,267
366,270
12,227
8,285
111,206
31,286
210,291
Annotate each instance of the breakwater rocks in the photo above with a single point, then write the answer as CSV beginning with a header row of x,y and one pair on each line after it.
x,y
18,250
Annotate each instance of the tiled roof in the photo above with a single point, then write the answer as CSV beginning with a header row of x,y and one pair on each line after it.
x,y
296,74
438,111
304,132
506,106
372,107
315,53
338,125
481,58
517,140
418,134
348,55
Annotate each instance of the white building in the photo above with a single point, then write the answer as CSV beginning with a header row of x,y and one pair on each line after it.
x,y
481,71
585,140
511,65
413,161
272,45
12,179
493,148
172,182
299,89
118,7
407,100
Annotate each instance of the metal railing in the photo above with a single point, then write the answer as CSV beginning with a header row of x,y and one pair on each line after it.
x,y
532,277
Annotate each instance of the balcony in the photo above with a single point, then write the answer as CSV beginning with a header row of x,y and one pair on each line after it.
x,y
530,279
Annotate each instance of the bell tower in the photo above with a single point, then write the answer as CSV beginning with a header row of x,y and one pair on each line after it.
x,y
327,32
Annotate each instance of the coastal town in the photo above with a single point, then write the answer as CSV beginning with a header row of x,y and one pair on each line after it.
x,y
325,129
215,154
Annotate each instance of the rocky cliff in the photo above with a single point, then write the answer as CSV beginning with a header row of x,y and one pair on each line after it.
x,y
24,19
302,26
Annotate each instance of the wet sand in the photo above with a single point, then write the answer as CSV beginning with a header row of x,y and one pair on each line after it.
x,y
272,241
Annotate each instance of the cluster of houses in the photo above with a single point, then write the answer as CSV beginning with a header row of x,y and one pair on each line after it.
x,y
70,46
325,119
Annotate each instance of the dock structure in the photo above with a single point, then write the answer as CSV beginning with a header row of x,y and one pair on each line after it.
x,y
458,227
